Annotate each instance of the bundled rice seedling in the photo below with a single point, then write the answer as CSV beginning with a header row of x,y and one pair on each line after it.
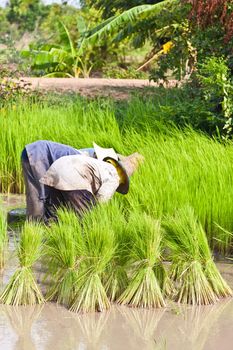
x,y
98,250
63,255
197,280
22,288
3,239
115,277
147,274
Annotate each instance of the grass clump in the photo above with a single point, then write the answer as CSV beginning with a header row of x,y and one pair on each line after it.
x,y
98,250
3,239
22,288
147,273
196,278
63,255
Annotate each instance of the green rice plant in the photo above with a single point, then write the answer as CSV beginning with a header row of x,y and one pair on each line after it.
x,y
3,239
63,255
98,251
24,123
147,274
196,278
115,278
22,288
201,176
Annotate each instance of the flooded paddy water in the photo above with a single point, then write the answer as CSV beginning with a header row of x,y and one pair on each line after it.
x,y
53,327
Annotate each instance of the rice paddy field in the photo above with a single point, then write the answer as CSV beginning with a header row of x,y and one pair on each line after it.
x,y
153,249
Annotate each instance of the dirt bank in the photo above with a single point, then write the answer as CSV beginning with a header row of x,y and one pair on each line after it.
x,y
92,87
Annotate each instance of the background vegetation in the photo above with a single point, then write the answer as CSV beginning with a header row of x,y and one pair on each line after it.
x,y
187,40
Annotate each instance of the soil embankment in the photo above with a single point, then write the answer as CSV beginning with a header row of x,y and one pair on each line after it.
x,y
94,87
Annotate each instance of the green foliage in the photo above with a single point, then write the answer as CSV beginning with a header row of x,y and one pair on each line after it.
x,y
59,60
25,13
13,90
217,87
113,25
159,23
112,7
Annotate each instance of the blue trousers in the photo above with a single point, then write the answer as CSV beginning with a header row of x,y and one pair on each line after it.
x,y
45,207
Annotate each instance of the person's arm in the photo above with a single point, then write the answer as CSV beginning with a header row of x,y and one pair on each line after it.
x,y
107,190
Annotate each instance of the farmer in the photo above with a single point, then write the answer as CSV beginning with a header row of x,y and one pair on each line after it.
x,y
57,174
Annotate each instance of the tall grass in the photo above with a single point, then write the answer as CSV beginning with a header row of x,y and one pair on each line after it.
x,y
182,167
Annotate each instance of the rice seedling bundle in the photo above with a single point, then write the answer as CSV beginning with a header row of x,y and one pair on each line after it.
x,y
147,276
63,255
98,250
3,238
115,278
196,278
22,288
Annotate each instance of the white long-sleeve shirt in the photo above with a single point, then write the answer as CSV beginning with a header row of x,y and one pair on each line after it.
x,y
79,172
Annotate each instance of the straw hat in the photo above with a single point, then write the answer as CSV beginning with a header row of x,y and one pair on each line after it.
x,y
125,165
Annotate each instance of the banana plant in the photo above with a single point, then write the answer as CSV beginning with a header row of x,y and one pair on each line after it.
x,y
63,60
116,26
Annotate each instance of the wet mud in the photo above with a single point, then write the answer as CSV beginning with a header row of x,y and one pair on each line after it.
x,y
177,327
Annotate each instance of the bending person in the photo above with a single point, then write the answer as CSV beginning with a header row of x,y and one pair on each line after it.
x,y
79,181
36,159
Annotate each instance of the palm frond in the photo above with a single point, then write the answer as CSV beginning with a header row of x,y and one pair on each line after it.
x,y
114,24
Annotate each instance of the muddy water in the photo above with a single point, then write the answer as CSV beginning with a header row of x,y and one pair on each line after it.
x,y
12,201
52,327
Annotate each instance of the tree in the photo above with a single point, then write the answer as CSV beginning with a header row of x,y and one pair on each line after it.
x,y
207,13
163,24
25,13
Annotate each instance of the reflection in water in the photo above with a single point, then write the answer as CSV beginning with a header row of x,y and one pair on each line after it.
x,y
21,319
193,325
92,327
68,331
52,327
144,324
